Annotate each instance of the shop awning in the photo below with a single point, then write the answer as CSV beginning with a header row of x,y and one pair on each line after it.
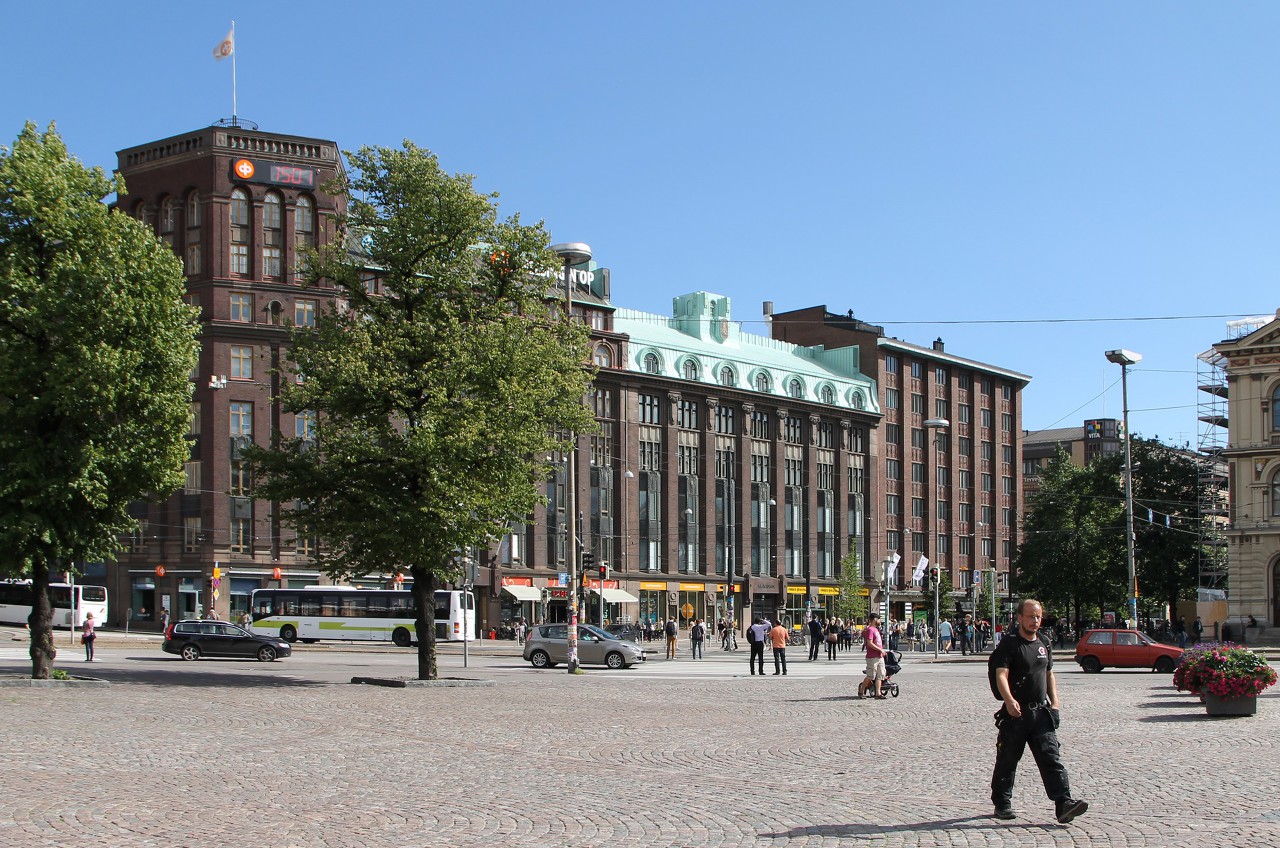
x,y
617,596
523,593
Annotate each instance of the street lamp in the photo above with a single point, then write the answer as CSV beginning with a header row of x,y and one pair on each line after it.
x,y
937,425
573,253
1125,358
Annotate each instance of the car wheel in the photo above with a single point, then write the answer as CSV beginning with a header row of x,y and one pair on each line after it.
x,y
615,660
540,659
1091,664
190,652
266,654
401,638
289,633
1164,665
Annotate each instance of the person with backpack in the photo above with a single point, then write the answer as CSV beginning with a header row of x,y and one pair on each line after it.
x,y
815,637
756,634
696,634
671,632
1020,673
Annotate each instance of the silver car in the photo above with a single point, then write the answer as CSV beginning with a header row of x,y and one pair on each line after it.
x,y
548,644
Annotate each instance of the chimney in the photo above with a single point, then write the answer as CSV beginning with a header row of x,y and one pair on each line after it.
x,y
937,344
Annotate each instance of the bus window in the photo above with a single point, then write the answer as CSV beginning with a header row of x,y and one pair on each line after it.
x,y
93,594
354,606
378,605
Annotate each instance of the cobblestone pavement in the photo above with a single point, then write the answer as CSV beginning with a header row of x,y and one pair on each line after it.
x,y
617,760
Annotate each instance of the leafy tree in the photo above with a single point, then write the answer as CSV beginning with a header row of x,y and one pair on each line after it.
x,y
1075,557
925,599
437,395
852,603
96,350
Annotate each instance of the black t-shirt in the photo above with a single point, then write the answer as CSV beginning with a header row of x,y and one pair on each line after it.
x,y
1029,662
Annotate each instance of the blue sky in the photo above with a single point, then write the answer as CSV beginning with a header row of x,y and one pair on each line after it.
x,y
916,163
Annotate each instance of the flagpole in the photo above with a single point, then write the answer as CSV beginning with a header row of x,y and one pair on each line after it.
x,y
233,74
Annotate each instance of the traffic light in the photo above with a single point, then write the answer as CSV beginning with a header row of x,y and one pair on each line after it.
x,y
933,576
604,571
588,560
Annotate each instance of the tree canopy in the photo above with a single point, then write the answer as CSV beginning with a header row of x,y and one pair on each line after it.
x,y
96,350
1074,556
439,380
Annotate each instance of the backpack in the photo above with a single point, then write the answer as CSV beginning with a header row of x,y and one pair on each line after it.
x,y
671,628
998,653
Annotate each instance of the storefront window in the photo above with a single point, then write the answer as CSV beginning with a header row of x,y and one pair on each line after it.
x,y
143,599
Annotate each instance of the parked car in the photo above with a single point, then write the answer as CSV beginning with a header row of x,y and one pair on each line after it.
x,y
548,644
1099,649
194,639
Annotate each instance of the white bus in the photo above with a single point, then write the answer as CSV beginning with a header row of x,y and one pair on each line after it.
x,y
16,598
359,615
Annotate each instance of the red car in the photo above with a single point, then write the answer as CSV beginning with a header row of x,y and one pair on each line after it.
x,y
1099,649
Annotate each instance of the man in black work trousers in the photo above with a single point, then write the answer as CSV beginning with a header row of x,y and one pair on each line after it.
x,y
1023,666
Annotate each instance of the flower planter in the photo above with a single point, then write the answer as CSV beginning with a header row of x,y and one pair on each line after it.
x,y
1243,706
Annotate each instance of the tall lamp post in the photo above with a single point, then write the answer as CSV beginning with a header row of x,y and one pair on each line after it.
x,y
1125,358
573,253
937,425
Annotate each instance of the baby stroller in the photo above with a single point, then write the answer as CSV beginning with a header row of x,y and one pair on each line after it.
x,y
892,665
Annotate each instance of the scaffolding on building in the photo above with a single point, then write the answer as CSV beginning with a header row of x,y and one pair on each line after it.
x,y
1212,514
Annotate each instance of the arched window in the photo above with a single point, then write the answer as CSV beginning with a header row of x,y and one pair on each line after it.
x,y
304,229
272,234
1275,494
193,234
275,313
167,214
1275,408
794,389
240,232
828,395
690,369
140,211
651,365
193,209
603,357
858,401
726,376
762,382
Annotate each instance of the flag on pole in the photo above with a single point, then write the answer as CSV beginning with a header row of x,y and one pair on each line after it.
x,y
893,567
920,567
226,47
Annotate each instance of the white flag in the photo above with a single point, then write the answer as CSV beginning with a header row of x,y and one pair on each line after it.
x,y
893,568
920,567
226,47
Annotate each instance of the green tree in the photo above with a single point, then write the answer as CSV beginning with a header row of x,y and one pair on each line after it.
x,y
438,396
96,350
852,603
1074,556
924,600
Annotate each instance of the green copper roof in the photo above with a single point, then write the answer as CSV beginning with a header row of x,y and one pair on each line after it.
x,y
701,339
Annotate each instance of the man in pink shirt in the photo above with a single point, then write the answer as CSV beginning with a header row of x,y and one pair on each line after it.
x,y
875,658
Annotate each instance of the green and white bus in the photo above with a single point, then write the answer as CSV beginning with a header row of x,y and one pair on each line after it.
x,y
357,615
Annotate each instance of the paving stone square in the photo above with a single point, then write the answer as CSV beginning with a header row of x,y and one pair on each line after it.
x,y
274,757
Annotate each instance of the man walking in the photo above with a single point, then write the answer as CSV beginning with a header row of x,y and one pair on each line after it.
x,y
873,643
1023,667
815,637
696,634
671,633
756,634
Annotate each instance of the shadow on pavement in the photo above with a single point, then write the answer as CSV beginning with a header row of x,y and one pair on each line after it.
x,y
1177,719
207,675
871,831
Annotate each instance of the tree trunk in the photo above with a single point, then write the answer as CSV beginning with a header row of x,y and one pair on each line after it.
x,y
424,598
40,622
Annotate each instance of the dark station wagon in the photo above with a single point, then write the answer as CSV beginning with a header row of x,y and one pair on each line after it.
x,y
193,639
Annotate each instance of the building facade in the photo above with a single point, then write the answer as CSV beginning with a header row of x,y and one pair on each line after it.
x,y
240,207
949,492
1096,438
1250,363
724,462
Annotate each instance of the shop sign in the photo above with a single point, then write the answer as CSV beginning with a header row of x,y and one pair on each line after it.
x,y
517,581
828,590
795,590
653,585
691,587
